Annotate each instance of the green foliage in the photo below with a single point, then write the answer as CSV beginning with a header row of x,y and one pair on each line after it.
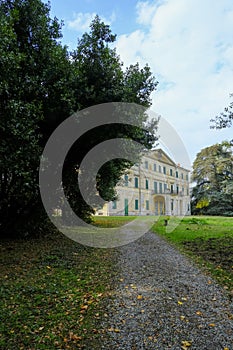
x,y
224,119
27,63
101,79
202,203
213,174
41,85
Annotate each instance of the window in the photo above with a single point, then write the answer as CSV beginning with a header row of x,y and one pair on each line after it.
x,y
182,176
177,189
160,168
126,207
187,177
147,184
146,164
172,205
114,205
136,182
160,187
171,172
187,191
126,180
172,188
136,204
155,167
155,186
147,205
177,174
165,188
164,170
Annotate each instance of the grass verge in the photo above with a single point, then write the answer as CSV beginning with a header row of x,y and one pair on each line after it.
x,y
208,240
52,291
111,221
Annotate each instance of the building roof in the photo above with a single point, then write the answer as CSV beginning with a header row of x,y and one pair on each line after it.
x,y
159,154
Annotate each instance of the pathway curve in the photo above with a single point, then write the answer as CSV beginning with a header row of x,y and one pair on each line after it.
x,y
163,301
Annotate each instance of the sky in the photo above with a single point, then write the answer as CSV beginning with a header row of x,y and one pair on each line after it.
x,y
187,43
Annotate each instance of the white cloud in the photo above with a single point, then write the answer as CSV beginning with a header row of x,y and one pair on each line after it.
x,y
81,21
145,12
189,44
129,47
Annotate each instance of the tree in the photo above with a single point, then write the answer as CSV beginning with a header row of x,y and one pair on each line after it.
x,y
41,85
33,76
213,174
224,119
101,79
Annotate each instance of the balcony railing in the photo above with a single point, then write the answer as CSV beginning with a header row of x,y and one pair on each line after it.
x,y
168,191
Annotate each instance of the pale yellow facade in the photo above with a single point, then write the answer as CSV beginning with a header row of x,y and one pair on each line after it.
x,y
157,186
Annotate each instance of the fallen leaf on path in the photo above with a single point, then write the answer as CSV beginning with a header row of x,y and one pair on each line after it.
x,y
199,313
84,307
117,330
75,337
185,344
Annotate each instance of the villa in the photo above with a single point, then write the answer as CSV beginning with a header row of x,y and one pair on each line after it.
x,y
156,186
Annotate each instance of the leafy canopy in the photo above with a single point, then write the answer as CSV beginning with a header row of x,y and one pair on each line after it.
x,y
224,119
42,84
213,174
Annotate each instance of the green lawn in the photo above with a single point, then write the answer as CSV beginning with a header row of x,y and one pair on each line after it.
x,y
51,293
112,221
208,240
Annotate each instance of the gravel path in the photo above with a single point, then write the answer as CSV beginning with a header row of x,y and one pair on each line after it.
x,y
163,301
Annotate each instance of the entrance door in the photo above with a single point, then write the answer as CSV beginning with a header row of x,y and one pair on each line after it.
x,y
159,203
126,207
